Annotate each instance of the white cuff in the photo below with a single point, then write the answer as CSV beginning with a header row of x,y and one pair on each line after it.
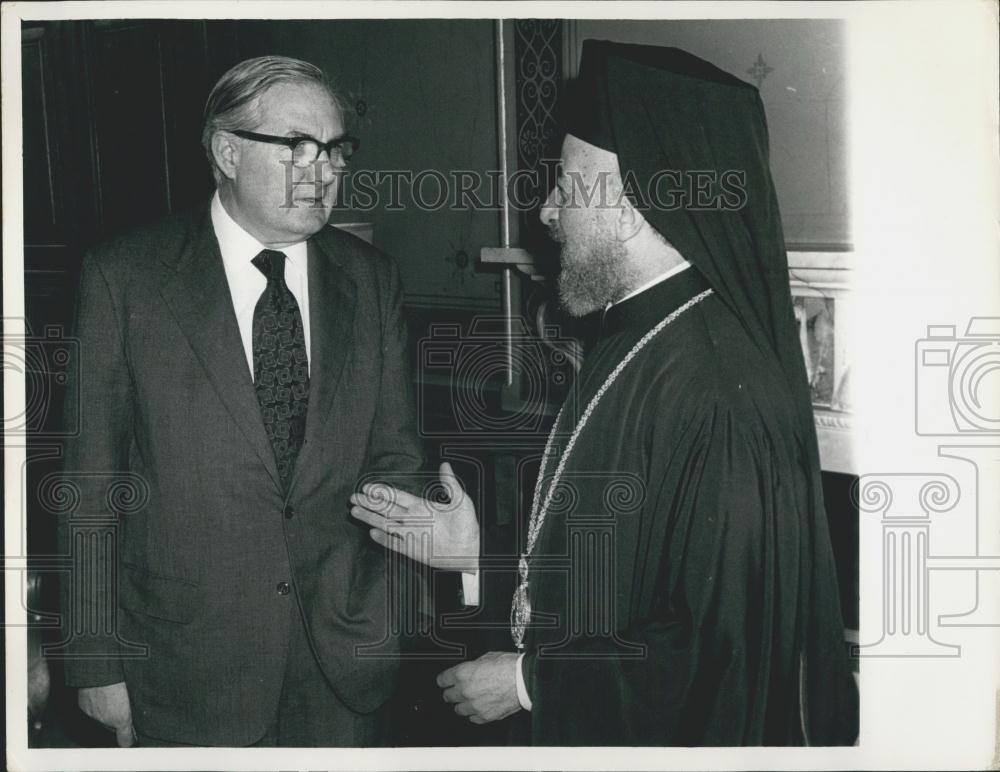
x,y
470,587
522,690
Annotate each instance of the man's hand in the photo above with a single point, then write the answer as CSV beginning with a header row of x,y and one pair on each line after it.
x,y
440,535
484,690
110,706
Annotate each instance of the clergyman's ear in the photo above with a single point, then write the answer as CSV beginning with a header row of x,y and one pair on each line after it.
x,y
630,220
226,152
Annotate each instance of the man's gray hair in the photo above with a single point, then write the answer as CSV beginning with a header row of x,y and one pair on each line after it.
x,y
235,100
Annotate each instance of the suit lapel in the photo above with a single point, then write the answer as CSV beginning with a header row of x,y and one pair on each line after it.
x,y
332,300
197,293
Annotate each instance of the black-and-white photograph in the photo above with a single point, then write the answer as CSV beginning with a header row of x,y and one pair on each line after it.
x,y
451,382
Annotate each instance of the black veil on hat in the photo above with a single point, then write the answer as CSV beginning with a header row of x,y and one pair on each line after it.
x,y
662,109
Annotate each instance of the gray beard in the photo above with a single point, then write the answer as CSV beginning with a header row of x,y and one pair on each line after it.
x,y
593,276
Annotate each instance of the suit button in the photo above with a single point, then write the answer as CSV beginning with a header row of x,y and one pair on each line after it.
x,y
289,513
284,588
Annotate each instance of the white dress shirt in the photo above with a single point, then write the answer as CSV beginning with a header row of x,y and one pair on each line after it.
x,y
247,283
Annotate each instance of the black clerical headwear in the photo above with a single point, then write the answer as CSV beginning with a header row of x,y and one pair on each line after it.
x,y
589,110
692,145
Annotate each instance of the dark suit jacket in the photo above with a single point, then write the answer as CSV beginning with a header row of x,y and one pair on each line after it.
x,y
170,425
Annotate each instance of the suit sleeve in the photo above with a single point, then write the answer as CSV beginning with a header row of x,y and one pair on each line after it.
x,y
395,451
393,443
95,476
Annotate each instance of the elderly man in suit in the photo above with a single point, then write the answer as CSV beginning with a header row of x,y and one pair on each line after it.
x,y
242,368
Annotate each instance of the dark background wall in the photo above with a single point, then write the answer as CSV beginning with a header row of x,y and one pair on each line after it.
x,y
423,97
113,116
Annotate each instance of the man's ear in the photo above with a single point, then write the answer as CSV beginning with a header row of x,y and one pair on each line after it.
x,y
226,152
630,221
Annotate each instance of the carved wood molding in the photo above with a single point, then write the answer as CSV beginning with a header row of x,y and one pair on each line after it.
x,y
828,419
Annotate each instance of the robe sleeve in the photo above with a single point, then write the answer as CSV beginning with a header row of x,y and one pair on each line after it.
x,y
719,628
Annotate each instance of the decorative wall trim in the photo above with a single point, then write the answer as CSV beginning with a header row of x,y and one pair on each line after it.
x,y
820,272
836,261
538,71
830,420
538,48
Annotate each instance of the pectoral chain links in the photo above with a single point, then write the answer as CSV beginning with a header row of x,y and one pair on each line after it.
x,y
520,610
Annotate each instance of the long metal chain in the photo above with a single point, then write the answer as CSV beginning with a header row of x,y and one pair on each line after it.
x,y
520,611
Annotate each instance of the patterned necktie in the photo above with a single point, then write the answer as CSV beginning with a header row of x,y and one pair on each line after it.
x,y
280,367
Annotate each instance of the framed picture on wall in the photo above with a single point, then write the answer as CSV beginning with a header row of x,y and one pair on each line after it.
x,y
821,295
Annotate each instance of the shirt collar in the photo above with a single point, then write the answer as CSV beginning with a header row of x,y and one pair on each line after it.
x,y
238,247
682,266
639,313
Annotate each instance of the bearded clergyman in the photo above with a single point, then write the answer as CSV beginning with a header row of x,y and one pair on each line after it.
x,y
700,605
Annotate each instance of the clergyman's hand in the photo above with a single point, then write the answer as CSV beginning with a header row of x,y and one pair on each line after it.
x,y
440,535
483,690
109,705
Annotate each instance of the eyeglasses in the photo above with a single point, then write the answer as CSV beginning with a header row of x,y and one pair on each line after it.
x,y
305,149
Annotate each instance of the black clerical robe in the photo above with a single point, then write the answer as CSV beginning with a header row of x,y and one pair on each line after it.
x,y
682,586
